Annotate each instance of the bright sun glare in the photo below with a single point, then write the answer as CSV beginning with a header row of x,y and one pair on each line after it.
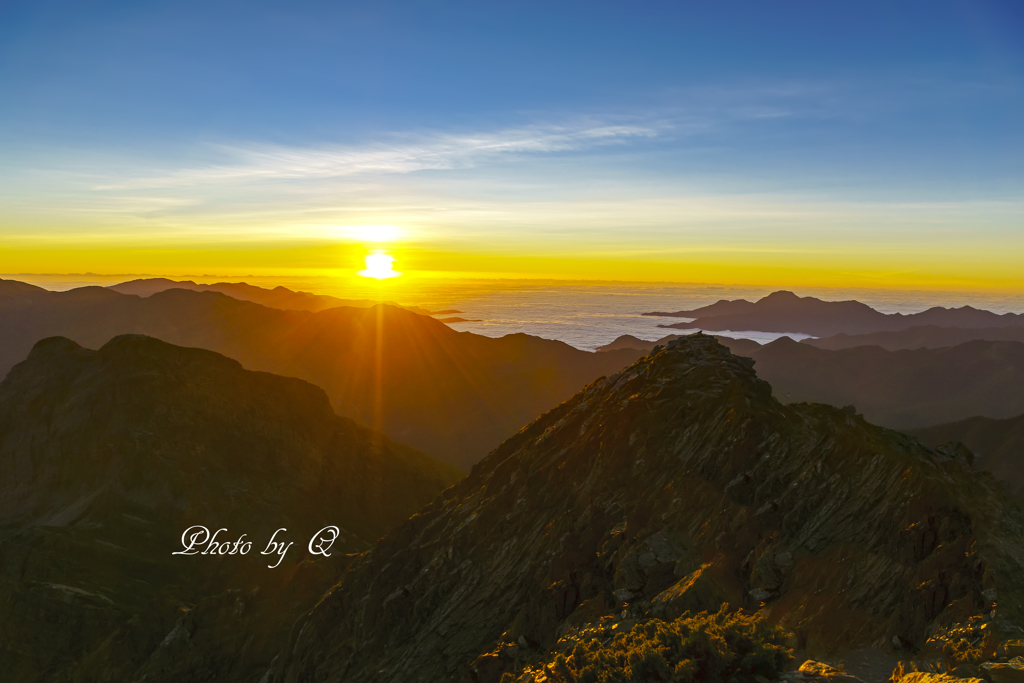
x,y
378,266
374,233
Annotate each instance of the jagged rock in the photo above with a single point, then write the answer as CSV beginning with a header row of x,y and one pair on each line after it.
x,y
1004,672
699,591
820,672
956,449
884,534
1011,648
966,671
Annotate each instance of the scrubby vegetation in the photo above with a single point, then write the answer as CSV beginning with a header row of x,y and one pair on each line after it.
x,y
706,647
962,651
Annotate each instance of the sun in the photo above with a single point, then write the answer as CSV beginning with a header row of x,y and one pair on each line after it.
x,y
378,266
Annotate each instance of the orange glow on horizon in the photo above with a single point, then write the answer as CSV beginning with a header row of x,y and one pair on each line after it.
x,y
922,268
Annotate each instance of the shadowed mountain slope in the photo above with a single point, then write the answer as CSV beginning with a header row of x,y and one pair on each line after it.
x,y
678,484
924,337
453,395
786,312
998,443
109,456
278,297
899,389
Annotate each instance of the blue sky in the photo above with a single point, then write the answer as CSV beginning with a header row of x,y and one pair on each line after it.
x,y
819,125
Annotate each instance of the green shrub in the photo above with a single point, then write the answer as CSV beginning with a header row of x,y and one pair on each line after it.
x,y
705,647
962,652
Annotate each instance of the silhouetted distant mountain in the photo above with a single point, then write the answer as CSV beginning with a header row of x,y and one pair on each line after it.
x,y
924,337
679,484
998,443
278,297
109,456
786,312
453,395
720,307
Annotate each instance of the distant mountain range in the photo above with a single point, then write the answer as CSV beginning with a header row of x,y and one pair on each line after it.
x,y
278,297
786,312
679,484
108,456
898,389
682,483
452,395
924,337
998,443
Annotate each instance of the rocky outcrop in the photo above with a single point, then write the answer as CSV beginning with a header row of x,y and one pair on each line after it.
x,y
677,484
108,456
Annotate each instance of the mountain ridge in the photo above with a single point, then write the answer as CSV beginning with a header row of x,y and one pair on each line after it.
x,y
923,336
677,484
408,375
278,297
110,455
783,311
999,444
902,389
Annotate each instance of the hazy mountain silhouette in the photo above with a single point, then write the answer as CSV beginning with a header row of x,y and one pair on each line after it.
x,y
999,444
898,389
923,337
278,297
453,395
109,456
741,347
678,484
786,312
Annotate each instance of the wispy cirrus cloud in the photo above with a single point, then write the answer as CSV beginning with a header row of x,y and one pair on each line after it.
x,y
403,154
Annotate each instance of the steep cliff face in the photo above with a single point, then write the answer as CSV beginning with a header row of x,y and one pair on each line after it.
x,y
108,456
678,484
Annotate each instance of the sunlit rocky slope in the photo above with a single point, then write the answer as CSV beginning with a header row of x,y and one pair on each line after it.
x,y
108,456
677,484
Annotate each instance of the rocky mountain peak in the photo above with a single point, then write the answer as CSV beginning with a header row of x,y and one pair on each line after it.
x,y
677,484
696,363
